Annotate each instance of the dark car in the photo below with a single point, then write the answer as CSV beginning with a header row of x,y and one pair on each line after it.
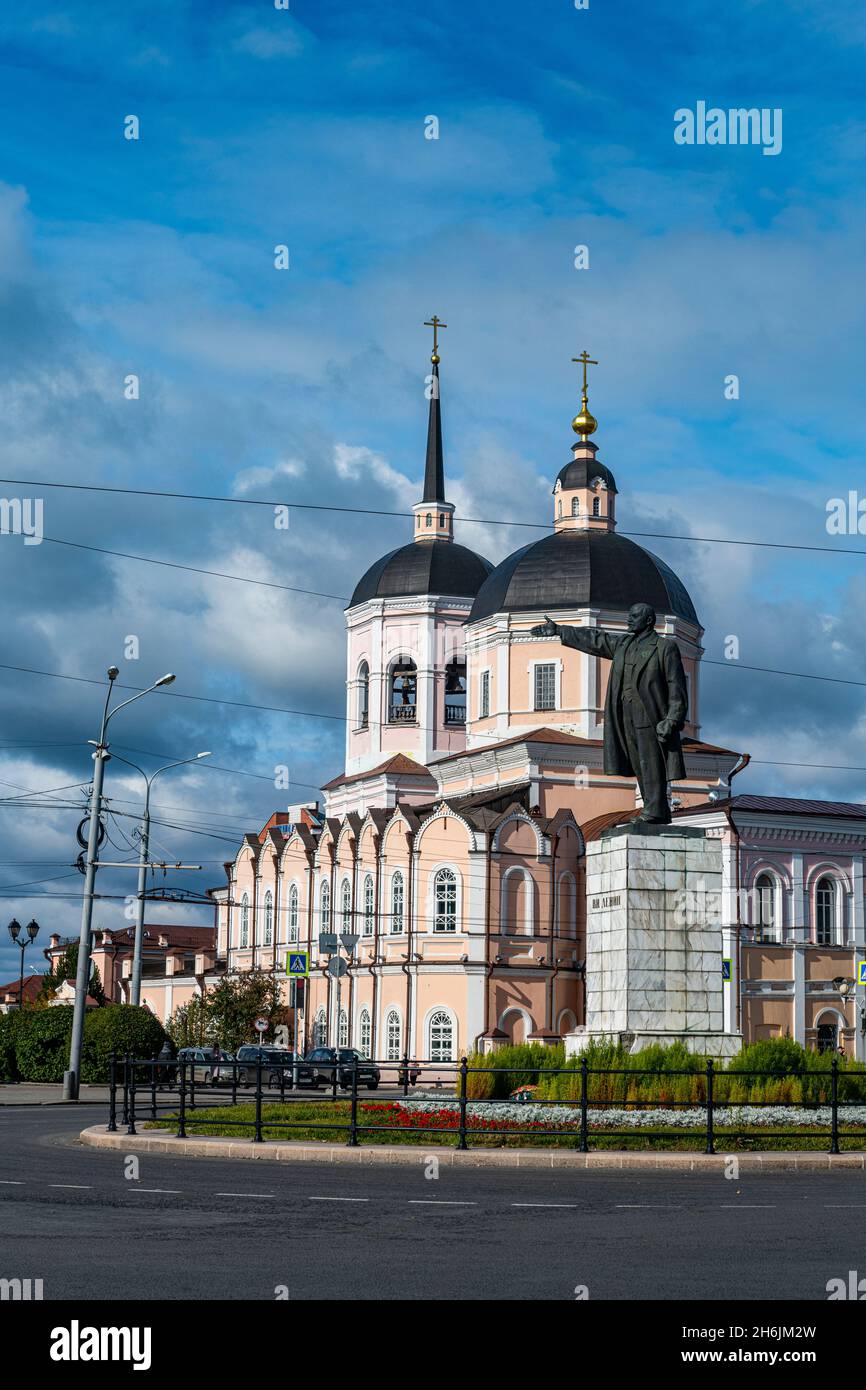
x,y
323,1062
278,1065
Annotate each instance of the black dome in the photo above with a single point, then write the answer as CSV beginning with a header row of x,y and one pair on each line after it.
x,y
580,472
579,569
424,567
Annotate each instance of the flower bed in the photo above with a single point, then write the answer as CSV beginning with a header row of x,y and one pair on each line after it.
x,y
509,1114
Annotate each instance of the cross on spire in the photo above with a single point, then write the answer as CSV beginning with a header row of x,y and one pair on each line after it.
x,y
586,361
435,323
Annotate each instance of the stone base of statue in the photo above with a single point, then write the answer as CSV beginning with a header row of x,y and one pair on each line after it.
x,y
654,970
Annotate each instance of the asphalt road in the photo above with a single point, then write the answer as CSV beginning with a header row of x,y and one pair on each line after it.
x,y
212,1229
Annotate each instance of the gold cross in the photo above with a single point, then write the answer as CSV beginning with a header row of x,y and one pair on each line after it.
x,y
587,361
435,323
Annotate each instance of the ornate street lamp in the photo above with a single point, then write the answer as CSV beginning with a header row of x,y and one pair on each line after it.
x,y
14,928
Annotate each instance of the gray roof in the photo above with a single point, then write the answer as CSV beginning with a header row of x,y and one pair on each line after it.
x,y
579,569
424,567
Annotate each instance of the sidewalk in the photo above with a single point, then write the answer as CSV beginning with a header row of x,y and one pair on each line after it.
x,y
49,1093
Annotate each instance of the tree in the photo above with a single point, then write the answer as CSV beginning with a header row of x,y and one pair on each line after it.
x,y
237,1001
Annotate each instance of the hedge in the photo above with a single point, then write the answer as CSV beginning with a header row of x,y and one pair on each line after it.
x,y
34,1045
793,1074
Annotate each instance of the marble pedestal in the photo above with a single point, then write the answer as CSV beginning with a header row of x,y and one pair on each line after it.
x,y
654,941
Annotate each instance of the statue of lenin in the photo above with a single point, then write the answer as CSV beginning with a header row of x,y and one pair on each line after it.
x,y
646,705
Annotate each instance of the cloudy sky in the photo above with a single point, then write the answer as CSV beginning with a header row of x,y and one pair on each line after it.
x,y
306,127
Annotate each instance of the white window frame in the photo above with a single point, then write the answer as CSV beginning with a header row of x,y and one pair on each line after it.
x,y
557,686
294,912
268,919
369,926
397,922
245,922
393,1051
365,1032
438,873
441,1011
484,687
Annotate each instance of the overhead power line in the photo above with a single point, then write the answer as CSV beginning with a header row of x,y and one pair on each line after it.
x,y
381,511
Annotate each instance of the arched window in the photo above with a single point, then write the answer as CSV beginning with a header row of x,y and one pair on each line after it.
x,y
245,922
441,519
293,912
325,914
365,1031
393,1031
343,1035
559,507
429,519
517,915
440,1032
404,690
346,906
397,893
369,905
825,912
445,901
567,905
363,695
320,1028
575,506
828,1033
596,506
765,907
269,918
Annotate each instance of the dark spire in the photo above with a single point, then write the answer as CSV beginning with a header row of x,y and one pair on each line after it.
x,y
434,469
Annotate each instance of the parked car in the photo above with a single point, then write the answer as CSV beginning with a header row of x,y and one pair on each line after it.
x,y
324,1061
201,1065
277,1066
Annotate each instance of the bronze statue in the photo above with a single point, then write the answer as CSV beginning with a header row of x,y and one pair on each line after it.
x,y
646,705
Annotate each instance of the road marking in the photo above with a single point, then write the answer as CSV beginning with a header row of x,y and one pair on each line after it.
x,y
338,1199
845,1206
170,1191
245,1194
75,1186
558,1206
436,1202
11,1182
748,1206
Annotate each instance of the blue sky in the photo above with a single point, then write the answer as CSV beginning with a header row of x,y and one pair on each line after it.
x,y
306,127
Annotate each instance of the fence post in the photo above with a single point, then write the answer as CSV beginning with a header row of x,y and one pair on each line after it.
x,y
153,1067
352,1141
192,1083
181,1119
336,1074
405,1073
112,1094
710,1149
125,1116
834,1103
584,1097
130,1128
257,1137
464,1073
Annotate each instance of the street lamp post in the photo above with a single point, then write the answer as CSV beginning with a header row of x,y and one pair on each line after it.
x,y
14,930
72,1076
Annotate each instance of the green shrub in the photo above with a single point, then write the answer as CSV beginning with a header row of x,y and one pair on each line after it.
x,y
117,1028
42,1043
8,1067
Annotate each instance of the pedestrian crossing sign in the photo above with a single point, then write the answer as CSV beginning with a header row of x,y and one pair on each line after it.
x,y
298,963
861,972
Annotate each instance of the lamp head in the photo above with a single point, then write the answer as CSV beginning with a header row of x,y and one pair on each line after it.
x,y
14,928
113,672
203,755
164,680
33,929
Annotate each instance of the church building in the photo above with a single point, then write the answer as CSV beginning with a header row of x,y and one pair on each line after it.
x,y
450,850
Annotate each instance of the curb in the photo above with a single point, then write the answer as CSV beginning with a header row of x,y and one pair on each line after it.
x,y
161,1141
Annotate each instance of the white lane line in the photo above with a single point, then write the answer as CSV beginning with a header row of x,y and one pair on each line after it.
x,y
169,1191
245,1194
558,1206
748,1206
11,1182
74,1186
435,1202
844,1206
338,1199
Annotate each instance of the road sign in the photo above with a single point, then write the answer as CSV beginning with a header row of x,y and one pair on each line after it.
x,y
328,942
338,967
298,963
726,969
261,1025
350,941
861,972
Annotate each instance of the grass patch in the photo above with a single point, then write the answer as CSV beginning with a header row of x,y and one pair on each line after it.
x,y
385,1122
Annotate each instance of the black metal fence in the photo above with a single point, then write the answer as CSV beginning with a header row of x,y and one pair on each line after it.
x,y
144,1089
